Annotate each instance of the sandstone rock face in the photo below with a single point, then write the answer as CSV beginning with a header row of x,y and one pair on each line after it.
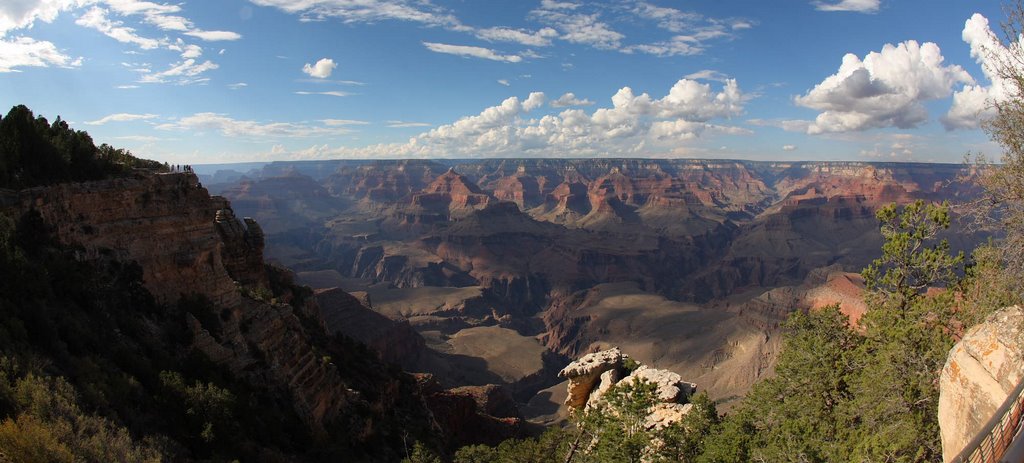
x,y
243,247
164,222
664,415
594,374
671,387
583,374
982,369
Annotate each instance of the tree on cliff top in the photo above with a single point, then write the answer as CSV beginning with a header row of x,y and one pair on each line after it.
x,y
35,152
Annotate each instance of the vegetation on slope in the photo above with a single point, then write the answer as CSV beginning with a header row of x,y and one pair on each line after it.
x,y
35,152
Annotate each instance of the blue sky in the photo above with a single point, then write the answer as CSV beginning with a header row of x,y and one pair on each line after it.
x,y
251,80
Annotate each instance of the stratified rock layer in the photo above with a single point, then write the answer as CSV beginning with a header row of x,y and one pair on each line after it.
x,y
981,371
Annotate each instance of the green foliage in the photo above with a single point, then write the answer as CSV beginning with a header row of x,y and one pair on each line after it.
x,y
35,152
422,454
550,447
208,407
912,261
49,425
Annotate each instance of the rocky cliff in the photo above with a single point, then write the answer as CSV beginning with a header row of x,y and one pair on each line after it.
x,y
980,372
164,222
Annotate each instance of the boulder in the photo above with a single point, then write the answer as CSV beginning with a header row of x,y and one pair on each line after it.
x,y
666,414
584,374
671,387
980,372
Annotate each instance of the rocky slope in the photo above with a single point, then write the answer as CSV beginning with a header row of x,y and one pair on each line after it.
x,y
194,253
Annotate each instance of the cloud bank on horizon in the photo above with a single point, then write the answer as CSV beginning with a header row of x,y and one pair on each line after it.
x,y
566,79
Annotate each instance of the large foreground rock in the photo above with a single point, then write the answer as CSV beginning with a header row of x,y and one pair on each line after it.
x,y
981,371
583,374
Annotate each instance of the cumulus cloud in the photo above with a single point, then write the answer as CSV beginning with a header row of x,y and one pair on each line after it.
x,y
973,103
788,147
122,117
470,51
28,52
885,89
860,6
230,127
321,70
569,99
19,14
634,125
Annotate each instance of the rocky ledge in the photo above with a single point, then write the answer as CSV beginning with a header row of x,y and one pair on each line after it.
x,y
593,375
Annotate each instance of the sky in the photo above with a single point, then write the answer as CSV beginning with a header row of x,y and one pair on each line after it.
x,y
217,81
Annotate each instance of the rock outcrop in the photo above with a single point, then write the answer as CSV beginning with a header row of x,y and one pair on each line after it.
x,y
981,371
593,375
164,222
584,374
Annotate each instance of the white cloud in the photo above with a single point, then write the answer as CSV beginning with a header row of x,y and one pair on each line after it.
x,y
181,73
122,117
788,147
860,6
237,85
342,122
670,19
973,103
350,11
470,51
580,28
504,82
96,18
708,74
540,38
28,52
635,125
127,87
404,124
214,36
886,89
321,70
330,93
19,14
569,99
230,127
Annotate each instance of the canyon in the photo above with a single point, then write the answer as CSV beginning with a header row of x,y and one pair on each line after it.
x,y
502,271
